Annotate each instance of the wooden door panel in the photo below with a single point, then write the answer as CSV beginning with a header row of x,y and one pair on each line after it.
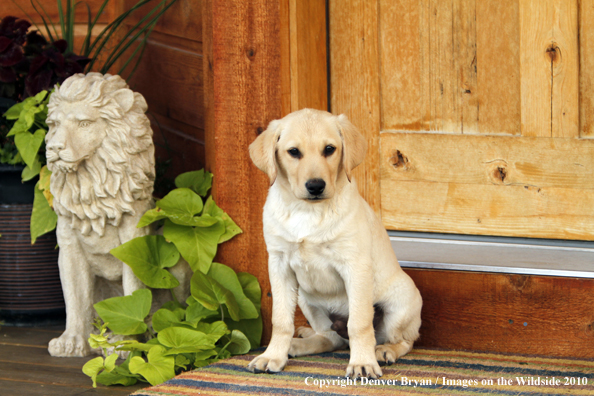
x,y
479,112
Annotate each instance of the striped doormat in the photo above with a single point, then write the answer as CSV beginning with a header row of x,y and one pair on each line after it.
x,y
423,371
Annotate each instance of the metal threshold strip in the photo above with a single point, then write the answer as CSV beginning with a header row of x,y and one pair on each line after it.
x,y
490,254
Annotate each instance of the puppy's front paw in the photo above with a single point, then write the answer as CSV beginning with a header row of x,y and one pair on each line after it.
x,y
267,364
370,370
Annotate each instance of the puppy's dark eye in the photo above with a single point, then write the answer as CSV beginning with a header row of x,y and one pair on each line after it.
x,y
294,152
329,150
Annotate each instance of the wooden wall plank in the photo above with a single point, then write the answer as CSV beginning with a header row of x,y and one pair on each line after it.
x,y
488,160
498,67
25,9
244,76
183,19
171,81
549,68
586,49
503,313
179,145
355,84
308,54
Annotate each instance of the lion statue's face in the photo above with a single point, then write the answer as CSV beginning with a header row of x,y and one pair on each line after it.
x,y
76,131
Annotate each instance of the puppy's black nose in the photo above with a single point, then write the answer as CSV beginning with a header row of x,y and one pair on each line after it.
x,y
315,186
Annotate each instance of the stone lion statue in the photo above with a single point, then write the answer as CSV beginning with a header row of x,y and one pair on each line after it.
x,y
99,148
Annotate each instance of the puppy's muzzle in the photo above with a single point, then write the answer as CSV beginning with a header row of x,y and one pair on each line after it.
x,y
315,187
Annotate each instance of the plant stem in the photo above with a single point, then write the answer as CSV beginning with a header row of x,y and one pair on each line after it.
x,y
222,313
223,348
152,333
174,297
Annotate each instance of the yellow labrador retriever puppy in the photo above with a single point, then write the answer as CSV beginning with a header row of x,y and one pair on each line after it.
x,y
328,251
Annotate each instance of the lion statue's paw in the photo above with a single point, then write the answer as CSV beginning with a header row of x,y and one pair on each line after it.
x,y
69,345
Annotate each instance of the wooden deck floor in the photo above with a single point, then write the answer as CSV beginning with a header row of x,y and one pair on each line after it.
x,y
27,369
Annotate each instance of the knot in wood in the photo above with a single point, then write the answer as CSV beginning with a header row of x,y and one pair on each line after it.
x,y
399,160
519,282
500,173
553,52
250,53
497,171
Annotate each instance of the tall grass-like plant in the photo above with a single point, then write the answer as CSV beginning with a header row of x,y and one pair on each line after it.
x,y
92,48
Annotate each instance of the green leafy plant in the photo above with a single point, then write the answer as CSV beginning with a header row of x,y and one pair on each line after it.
x,y
29,131
30,66
220,318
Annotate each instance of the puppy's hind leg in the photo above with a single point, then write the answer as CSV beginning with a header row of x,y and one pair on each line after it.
x,y
396,336
320,337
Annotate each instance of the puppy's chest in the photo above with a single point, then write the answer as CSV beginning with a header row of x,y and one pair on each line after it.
x,y
315,266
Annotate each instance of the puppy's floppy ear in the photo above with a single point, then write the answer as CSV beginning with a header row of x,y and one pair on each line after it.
x,y
263,150
354,145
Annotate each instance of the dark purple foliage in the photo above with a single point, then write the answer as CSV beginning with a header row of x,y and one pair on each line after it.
x,y
29,64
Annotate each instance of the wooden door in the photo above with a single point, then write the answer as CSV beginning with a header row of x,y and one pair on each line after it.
x,y
479,114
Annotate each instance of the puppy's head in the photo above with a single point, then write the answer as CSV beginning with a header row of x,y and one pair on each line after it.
x,y
311,150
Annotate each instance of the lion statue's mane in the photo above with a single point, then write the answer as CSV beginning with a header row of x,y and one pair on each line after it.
x,y
107,183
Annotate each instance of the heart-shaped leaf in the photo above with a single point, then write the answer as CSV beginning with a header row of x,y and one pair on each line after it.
x,y
150,216
212,294
165,318
231,229
43,217
92,368
125,315
186,339
148,256
181,205
198,245
239,343
198,181
158,369
196,312
226,276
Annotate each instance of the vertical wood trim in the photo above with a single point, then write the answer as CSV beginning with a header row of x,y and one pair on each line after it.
x,y
245,46
549,68
586,49
355,82
309,80
285,56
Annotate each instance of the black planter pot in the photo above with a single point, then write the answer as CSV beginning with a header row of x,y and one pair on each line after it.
x,y
30,289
